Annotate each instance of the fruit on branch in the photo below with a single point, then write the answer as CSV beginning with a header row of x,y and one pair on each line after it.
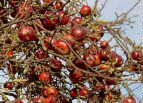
x,y
56,64
129,99
51,21
63,17
119,61
65,20
79,33
41,54
93,50
96,36
105,54
50,99
97,58
37,100
48,41
19,101
27,33
61,47
74,93
84,92
93,59
105,67
116,59
45,77
98,33
32,76
62,13
9,85
11,53
85,10
79,63
99,87
50,91
59,6
45,74
136,55
111,82
76,76
48,1
104,44
112,96
77,21
50,24
70,39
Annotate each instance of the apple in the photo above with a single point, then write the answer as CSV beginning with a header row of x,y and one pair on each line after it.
x,y
27,33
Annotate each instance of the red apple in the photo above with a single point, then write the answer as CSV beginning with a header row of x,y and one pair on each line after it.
x,y
119,61
116,58
104,44
27,33
136,55
50,99
99,86
95,36
84,92
11,53
59,6
49,41
105,54
77,21
74,93
63,17
51,20
56,64
79,63
50,91
111,82
76,76
78,33
9,85
129,99
70,39
45,77
93,59
41,54
85,10
65,20
48,1
61,47
19,101
37,100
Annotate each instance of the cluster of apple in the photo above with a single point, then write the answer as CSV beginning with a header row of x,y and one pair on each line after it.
x,y
59,45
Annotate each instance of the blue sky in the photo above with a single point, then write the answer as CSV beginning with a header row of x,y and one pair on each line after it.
x,y
121,6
